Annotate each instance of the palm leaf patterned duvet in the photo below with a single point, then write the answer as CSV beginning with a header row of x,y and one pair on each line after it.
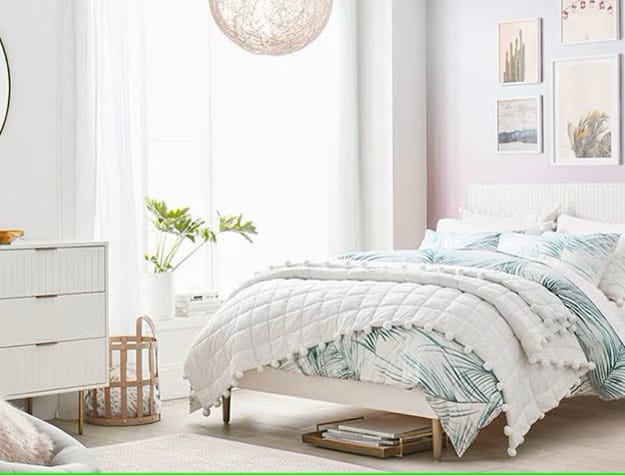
x,y
479,332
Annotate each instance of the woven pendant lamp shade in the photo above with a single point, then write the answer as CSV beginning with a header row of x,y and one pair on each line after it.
x,y
273,27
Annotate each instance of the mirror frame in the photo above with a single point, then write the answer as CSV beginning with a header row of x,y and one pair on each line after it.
x,y
3,52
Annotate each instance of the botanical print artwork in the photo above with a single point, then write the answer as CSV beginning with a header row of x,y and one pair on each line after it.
x,y
520,51
519,125
587,111
589,20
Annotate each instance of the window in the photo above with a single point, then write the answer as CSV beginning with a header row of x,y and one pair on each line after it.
x,y
272,137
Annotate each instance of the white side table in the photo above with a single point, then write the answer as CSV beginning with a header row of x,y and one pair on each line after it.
x,y
174,342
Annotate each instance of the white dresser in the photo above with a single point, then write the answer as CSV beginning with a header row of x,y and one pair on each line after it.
x,y
53,318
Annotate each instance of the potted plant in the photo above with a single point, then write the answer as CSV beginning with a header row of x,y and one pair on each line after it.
x,y
174,228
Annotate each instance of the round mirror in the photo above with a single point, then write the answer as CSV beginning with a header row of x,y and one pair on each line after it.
x,y
5,86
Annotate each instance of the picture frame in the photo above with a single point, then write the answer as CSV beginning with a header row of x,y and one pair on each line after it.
x,y
520,125
587,111
589,21
520,51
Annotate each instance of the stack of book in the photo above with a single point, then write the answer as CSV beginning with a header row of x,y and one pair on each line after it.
x,y
197,303
382,431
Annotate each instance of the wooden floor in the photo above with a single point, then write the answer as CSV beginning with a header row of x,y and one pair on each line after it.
x,y
584,434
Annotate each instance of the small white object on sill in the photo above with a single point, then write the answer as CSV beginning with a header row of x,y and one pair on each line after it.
x,y
194,303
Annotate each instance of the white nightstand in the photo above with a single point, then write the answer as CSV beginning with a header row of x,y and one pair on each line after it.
x,y
174,342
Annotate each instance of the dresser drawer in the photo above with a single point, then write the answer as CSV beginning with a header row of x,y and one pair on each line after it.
x,y
32,369
39,320
32,272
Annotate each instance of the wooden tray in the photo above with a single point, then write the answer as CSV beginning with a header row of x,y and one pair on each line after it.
x,y
423,444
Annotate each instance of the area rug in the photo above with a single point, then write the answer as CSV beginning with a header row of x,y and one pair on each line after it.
x,y
199,453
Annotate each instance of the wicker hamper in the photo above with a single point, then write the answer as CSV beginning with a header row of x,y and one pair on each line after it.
x,y
133,396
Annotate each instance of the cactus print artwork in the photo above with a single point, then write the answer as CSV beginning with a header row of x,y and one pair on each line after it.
x,y
520,51
515,61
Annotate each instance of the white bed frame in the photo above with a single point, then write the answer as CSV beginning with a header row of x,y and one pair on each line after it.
x,y
602,202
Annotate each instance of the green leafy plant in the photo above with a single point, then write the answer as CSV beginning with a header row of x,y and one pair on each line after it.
x,y
175,227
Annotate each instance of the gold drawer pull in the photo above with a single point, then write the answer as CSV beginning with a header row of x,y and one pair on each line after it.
x,y
48,343
50,296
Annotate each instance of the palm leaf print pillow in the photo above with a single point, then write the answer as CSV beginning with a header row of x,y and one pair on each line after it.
x,y
435,241
588,255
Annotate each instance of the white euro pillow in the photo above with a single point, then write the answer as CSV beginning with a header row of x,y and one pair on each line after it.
x,y
612,282
456,226
529,224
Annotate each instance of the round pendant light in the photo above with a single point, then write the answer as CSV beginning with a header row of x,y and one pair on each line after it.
x,y
273,27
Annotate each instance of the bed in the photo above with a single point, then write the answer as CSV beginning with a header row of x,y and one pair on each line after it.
x,y
499,334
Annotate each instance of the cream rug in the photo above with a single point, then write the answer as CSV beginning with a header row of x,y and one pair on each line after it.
x,y
200,453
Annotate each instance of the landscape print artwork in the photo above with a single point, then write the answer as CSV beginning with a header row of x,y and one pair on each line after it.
x,y
520,51
587,107
589,20
519,125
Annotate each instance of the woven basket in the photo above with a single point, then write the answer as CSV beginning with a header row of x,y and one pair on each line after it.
x,y
133,396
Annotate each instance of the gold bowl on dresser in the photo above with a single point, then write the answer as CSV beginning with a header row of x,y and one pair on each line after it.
x,y
7,236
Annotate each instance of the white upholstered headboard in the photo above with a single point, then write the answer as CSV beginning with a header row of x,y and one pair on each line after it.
x,y
601,202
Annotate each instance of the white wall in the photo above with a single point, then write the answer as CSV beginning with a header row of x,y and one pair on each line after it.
x,y
409,123
375,48
31,144
393,132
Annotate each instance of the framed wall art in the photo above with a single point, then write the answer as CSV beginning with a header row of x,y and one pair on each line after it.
x,y
587,111
520,51
520,125
584,21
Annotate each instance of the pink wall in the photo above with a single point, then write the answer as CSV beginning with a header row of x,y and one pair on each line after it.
x,y
462,95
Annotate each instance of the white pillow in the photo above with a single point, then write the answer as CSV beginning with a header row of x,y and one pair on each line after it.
x,y
451,225
530,224
612,282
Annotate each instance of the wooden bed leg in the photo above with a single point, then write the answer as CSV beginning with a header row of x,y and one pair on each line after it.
x,y
81,412
225,409
437,439
29,405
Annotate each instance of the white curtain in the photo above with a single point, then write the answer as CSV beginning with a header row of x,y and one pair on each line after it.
x,y
281,142
285,148
110,143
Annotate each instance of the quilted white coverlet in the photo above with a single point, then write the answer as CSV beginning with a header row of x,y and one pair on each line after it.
x,y
520,330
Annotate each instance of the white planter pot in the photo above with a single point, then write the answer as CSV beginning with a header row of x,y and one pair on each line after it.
x,y
159,297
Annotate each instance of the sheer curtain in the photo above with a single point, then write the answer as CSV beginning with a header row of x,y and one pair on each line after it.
x,y
110,142
284,148
273,137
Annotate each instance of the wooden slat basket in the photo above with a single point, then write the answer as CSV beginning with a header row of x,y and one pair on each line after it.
x,y
133,395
